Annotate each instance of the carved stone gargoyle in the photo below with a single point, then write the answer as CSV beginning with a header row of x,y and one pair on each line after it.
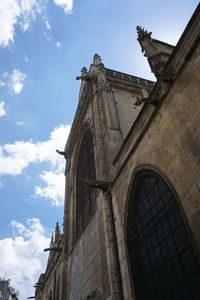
x,y
84,75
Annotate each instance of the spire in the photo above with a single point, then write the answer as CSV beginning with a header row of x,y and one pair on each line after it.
x,y
156,51
144,38
143,34
97,60
57,233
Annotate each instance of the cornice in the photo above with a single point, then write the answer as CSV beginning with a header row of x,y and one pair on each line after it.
x,y
134,80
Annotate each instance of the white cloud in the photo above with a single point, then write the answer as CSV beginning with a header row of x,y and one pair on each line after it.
x,y
20,123
24,26
67,5
13,80
54,189
9,12
1,185
22,256
13,12
14,158
22,12
2,109
47,24
16,81
46,36
58,44
31,7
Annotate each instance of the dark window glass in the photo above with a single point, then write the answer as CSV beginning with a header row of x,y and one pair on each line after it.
x,y
163,262
85,194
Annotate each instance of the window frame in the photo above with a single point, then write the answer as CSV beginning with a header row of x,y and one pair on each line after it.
x,y
84,209
141,172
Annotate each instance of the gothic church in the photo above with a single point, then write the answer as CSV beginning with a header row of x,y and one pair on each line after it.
x,y
132,202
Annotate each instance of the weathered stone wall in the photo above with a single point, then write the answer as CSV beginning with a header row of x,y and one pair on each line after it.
x,y
170,144
164,139
126,109
89,256
91,269
50,289
86,256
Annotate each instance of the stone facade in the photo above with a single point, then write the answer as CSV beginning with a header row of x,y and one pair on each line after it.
x,y
137,129
49,284
6,291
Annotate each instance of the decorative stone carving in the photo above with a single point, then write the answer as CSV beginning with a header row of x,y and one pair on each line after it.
x,y
143,34
157,52
154,100
103,83
85,76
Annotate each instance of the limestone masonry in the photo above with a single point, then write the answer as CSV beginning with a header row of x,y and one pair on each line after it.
x,y
132,202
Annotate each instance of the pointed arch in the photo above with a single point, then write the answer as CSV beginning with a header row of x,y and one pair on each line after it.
x,y
85,194
163,262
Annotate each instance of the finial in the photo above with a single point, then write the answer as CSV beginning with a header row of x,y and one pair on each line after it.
x,y
143,34
57,233
97,59
57,230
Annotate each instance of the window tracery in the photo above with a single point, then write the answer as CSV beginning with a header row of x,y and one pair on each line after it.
x,y
85,194
162,259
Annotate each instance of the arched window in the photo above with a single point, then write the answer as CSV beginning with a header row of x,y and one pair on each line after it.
x,y
162,260
85,194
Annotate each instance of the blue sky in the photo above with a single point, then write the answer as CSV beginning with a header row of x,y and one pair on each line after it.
x,y
43,46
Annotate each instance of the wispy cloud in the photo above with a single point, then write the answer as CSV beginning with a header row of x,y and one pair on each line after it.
x,y
16,81
24,26
58,44
13,12
13,80
20,123
26,58
2,109
22,12
47,24
54,189
14,158
67,5
46,36
22,256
